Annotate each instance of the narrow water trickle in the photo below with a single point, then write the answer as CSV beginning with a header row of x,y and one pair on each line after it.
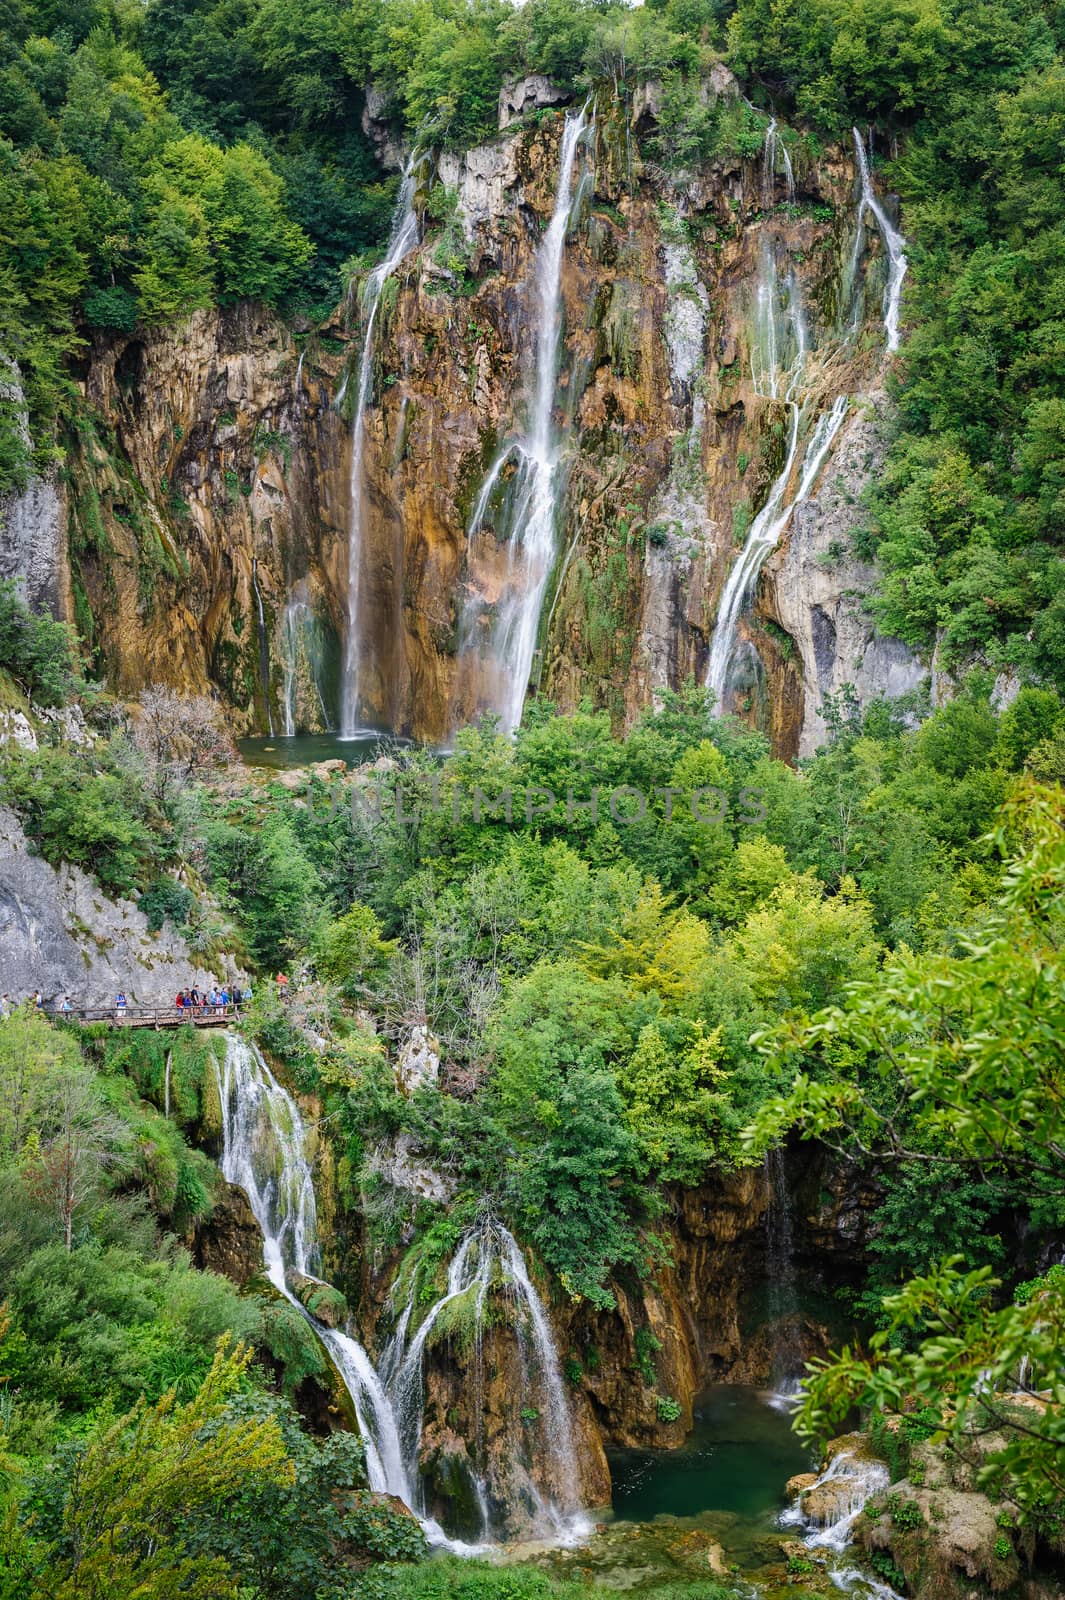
x,y
264,1153
782,1282
528,522
893,243
302,648
779,345
403,239
264,647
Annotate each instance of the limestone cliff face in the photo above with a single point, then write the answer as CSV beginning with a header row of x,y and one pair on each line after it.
x,y
207,486
210,468
61,934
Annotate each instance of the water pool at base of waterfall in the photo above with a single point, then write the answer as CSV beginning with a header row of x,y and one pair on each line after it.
x,y
305,749
707,1512
737,1459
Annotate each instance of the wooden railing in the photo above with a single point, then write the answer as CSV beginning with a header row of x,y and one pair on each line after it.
x,y
151,1016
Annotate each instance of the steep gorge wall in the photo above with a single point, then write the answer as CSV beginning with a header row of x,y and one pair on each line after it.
x,y
208,477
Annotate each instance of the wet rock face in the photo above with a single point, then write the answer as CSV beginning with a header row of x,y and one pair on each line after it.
x,y
816,587
711,1315
214,487
233,573
229,1241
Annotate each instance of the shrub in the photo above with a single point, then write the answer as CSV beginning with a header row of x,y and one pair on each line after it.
x,y
165,899
668,1409
38,653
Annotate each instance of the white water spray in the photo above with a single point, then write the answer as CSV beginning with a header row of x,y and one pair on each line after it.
x,y
489,1260
893,243
403,239
264,1153
853,1482
532,511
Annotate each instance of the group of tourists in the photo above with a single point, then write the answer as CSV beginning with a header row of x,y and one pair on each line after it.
x,y
36,1000
211,1002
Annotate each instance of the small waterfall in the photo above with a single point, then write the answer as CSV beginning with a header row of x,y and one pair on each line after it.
x,y
297,387
264,646
488,1261
893,243
166,1083
854,1482
782,1282
530,512
302,648
774,148
403,239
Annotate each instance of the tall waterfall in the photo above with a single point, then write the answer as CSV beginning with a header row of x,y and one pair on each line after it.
x,y
529,515
403,239
264,1153
778,362
893,244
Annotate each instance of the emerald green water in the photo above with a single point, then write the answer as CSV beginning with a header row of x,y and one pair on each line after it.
x,y
304,749
708,1511
737,1459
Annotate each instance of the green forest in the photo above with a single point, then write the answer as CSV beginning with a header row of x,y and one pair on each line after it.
x,y
652,961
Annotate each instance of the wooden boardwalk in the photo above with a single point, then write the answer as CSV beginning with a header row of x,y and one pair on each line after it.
x,y
152,1016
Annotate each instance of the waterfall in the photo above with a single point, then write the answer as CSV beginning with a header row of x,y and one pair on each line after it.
x,y
854,1481
264,1153
299,372
488,1260
302,650
166,1083
783,1287
403,239
773,147
778,359
893,243
528,523
264,648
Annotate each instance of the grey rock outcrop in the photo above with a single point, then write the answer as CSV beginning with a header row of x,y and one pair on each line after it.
x,y
60,933
534,93
33,521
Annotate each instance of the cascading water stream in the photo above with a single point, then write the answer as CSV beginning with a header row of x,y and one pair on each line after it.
x,y
264,1153
532,510
773,147
403,239
768,370
852,1482
893,243
488,1259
